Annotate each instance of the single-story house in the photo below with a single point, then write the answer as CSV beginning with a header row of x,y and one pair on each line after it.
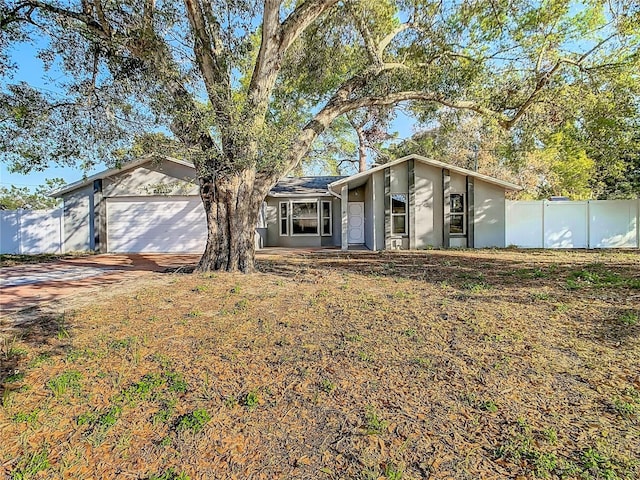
x,y
152,205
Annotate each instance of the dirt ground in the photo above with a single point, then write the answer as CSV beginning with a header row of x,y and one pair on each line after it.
x,y
439,364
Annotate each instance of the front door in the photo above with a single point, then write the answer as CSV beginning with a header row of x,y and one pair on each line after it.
x,y
356,222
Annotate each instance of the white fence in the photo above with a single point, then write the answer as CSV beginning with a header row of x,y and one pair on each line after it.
x,y
31,231
575,224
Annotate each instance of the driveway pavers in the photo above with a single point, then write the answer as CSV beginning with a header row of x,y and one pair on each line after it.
x,y
35,285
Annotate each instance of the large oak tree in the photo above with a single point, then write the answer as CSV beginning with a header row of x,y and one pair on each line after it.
x,y
245,87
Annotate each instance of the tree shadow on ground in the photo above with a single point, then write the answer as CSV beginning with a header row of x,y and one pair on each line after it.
x,y
608,280
36,328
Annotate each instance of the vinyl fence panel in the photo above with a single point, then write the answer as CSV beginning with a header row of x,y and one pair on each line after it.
x,y
524,224
613,224
31,231
565,225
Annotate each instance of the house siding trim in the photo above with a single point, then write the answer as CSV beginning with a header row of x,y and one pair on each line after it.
x,y
411,180
344,210
470,212
446,207
387,208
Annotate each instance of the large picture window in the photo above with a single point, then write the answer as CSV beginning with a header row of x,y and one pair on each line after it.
x,y
399,213
304,218
457,214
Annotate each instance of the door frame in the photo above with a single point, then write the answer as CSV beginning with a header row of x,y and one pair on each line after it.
x,y
349,226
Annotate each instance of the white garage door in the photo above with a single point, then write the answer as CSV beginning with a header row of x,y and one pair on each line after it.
x,y
156,224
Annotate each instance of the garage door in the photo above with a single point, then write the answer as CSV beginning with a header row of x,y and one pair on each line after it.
x,y
156,224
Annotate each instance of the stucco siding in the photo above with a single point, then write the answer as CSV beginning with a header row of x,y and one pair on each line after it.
x,y
399,178
458,183
428,211
369,226
489,221
78,220
166,178
378,187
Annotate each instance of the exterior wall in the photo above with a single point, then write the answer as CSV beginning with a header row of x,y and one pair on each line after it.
x,y
274,239
369,226
378,186
165,178
399,183
429,211
489,221
458,184
78,220
336,225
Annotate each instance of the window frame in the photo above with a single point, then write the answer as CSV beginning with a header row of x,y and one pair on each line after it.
x,y
462,214
291,219
405,214
286,218
323,218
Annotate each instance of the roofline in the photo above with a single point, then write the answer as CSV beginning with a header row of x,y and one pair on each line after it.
x,y
428,161
112,171
300,195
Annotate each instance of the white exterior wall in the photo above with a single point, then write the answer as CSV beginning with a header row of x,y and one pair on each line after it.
x,y
31,231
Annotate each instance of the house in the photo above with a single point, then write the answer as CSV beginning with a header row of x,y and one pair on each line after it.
x,y
152,205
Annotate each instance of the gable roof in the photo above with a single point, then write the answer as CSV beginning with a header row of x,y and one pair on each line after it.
x,y
114,171
297,186
335,186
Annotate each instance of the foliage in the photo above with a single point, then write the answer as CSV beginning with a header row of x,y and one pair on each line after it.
x,y
14,198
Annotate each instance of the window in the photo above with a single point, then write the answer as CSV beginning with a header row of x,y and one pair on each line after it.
x,y
283,215
399,213
457,214
325,217
304,218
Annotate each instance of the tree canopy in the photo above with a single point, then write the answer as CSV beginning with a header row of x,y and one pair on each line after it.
x,y
245,87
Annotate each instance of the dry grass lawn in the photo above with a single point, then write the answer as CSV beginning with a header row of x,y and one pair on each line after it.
x,y
439,364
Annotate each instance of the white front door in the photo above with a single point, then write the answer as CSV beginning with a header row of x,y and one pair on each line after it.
x,y
356,222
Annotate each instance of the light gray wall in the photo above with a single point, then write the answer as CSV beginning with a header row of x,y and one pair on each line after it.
x,y
369,227
336,227
78,220
429,213
378,180
399,178
489,215
165,178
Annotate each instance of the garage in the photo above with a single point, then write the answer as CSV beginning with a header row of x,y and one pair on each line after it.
x,y
156,224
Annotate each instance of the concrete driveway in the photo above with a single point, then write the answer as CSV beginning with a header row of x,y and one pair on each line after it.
x,y
32,286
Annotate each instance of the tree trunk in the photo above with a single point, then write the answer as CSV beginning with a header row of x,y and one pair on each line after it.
x,y
232,204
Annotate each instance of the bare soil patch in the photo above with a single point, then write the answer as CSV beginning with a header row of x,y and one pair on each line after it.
x,y
440,364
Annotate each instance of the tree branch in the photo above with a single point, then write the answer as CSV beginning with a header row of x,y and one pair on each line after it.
x,y
276,40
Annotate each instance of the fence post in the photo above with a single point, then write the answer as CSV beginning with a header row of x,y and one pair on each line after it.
x,y
588,224
19,224
544,224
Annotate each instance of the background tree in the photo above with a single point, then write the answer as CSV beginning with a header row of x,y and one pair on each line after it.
x,y
14,198
246,87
